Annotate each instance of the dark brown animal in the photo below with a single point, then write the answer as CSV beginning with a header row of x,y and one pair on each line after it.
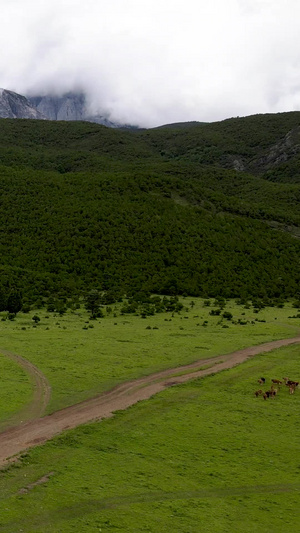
x,y
277,381
261,381
258,392
290,382
271,393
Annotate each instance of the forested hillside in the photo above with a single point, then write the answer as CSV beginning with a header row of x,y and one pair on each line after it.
x,y
199,209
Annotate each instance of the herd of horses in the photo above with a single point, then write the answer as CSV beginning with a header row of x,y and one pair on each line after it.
x,y
271,393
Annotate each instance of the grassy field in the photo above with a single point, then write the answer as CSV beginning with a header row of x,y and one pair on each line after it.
x,y
16,388
82,357
206,456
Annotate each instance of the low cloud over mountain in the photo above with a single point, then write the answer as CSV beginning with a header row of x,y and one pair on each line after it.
x,y
69,106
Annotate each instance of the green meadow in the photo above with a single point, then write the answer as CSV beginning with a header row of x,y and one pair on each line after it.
x,y
16,388
82,357
206,456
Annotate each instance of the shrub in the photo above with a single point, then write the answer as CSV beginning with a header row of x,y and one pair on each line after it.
x,y
36,319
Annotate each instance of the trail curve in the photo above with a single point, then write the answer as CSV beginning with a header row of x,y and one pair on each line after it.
x,y
33,433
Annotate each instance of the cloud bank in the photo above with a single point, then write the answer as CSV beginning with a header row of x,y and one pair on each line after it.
x,y
151,63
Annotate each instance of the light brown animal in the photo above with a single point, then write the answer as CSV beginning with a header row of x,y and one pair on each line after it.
x,y
258,392
261,381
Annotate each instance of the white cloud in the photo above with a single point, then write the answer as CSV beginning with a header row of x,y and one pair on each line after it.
x,y
159,61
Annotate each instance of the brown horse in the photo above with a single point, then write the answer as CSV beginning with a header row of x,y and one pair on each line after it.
x,y
276,381
291,383
270,393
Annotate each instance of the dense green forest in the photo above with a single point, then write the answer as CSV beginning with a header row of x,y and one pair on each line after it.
x,y
199,209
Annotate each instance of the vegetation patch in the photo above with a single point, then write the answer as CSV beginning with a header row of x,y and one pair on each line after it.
x,y
207,452
16,389
188,222
82,363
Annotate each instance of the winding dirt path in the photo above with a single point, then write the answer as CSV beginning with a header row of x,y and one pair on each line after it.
x,y
29,434
41,392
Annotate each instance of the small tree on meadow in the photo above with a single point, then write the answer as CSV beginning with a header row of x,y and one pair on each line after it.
x,y
36,319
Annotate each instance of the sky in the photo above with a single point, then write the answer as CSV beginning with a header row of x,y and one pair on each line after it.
x,y
156,62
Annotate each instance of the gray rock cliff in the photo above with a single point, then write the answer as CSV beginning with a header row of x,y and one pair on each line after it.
x,y
13,105
70,106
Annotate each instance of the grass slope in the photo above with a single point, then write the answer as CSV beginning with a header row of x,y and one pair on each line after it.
x,y
205,456
16,389
81,358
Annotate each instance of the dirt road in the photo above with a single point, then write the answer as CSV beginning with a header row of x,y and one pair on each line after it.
x,y
29,434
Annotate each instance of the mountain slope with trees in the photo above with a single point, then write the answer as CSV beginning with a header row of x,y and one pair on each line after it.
x,y
194,209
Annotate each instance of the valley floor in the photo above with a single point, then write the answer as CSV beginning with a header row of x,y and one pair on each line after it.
x,y
16,439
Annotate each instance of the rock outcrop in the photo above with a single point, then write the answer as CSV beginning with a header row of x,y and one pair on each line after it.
x,y
70,106
13,105
281,152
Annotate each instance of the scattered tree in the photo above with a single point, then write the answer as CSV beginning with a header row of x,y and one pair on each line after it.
x,y
92,303
36,319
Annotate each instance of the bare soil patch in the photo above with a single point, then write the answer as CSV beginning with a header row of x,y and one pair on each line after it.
x,y
23,436
40,481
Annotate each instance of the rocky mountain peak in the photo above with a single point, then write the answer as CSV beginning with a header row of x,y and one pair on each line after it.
x,y
13,105
69,106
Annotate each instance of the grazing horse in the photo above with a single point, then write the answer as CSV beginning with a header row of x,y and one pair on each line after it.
x,y
270,394
276,381
292,383
289,382
266,395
